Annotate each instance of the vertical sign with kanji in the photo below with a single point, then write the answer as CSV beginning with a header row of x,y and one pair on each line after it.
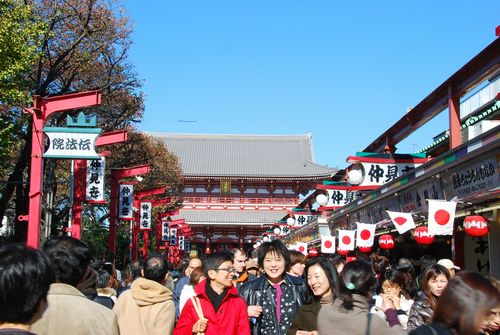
x,y
181,242
145,221
95,180
225,186
125,204
173,236
165,233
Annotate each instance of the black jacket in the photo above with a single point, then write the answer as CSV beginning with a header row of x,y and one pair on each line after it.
x,y
253,292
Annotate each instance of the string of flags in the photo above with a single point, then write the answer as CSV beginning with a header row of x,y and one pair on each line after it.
x,y
441,217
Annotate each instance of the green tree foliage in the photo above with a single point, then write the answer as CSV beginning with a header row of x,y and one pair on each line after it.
x,y
20,41
84,48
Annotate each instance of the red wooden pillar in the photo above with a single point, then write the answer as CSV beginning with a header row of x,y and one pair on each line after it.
x,y
454,118
145,243
79,175
41,111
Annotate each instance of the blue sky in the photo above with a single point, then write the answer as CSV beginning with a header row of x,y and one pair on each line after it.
x,y
342,71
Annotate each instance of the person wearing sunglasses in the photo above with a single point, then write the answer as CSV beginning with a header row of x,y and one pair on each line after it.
x,y
217,308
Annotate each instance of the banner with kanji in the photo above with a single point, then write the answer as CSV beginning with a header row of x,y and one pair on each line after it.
x,y
338,195
125,209
94,191
301,219
379,169
145,215
165,233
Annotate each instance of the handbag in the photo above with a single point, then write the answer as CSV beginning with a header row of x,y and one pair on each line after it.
x,y
197,307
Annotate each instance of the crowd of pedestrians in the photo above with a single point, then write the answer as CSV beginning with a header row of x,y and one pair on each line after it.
x,y
60,289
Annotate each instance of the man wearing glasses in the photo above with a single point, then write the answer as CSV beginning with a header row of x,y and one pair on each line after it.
x,y
222,309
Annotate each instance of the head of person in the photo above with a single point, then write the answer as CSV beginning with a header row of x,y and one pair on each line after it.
x,y
136,268
239,259
274,258
70,259
196,276
448,263
338,262
25,277
219,271
434,281
297,263
379,264
193,263
404,265
322,278
252,267
155,269
425,261
393,282
103,279
356,278
466,303
492,324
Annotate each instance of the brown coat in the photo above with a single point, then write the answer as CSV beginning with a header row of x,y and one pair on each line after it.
x,y
70,312
147,308
306,318
336,320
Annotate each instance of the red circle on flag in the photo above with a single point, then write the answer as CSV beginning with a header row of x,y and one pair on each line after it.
x,y
365,234
442,217
346,240
301,248
400,220
328,244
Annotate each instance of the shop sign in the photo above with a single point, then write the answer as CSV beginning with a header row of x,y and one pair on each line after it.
x,y
477,176
477,253
414,198
165,233
71,143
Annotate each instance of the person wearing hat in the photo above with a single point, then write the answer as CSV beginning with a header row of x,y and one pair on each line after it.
x,y
447,263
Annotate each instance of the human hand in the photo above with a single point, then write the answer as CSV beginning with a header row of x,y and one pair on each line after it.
x,y
304,332
387,302
254,311
200,326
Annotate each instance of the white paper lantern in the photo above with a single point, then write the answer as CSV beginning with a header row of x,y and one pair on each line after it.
x,y
355,177
265,238
290,221
322,199
277,231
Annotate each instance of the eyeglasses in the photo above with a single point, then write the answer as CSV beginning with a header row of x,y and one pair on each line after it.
x,y
226,269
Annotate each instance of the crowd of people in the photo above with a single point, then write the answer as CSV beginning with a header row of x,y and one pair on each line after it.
x,y
60,289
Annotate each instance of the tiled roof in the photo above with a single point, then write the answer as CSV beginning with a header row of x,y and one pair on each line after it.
x,y
225,217
275,156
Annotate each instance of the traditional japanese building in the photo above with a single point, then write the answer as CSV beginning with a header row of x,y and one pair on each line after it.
x,y
237,186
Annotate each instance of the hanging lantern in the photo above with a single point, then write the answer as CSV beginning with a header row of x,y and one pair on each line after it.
x,y
322,199
313,252
277,230
342,252
290,221
208,251
386,241
365,249
476,225
422,236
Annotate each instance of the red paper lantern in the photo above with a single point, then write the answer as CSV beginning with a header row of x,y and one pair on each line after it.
x,y
422,236
313,252
342,252
386,241
476,225
365,249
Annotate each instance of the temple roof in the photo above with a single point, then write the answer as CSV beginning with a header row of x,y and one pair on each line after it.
x,y
271,156
229,217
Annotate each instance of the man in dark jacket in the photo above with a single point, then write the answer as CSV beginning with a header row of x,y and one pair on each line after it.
x,y
274,298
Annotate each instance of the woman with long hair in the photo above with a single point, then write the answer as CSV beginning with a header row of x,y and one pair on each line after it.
x,y
350,313
323,282
434,281
463,307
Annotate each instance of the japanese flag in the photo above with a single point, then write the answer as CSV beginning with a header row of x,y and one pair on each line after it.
x,y
441,217
301,247
327,244
346,239
365,234
402,221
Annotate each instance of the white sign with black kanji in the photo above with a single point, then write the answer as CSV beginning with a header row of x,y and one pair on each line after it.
x,y
95,180
125,210
145,220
